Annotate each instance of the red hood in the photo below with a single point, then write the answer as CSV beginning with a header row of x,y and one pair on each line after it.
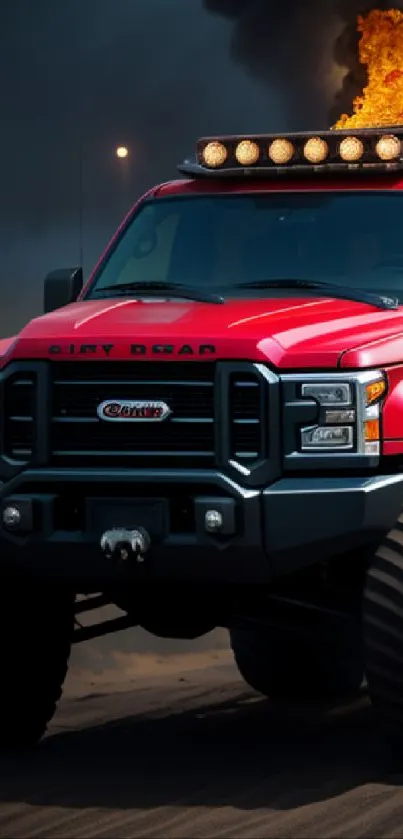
x,y
297,332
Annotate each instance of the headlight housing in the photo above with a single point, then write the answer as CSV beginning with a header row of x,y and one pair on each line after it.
x,y
347,408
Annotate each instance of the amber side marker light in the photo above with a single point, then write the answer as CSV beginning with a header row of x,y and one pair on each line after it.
x,y
366,151
374,391
372,430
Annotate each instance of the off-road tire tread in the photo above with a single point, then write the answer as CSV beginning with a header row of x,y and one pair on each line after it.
x,y
35,648
292,667
383,634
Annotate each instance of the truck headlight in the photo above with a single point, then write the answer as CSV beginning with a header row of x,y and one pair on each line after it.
x,y
328,393
349,412
322,437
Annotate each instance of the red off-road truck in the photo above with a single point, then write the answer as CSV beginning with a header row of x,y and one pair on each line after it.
x,y
209,432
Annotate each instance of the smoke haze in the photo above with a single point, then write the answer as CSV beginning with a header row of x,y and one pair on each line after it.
x,y
308,49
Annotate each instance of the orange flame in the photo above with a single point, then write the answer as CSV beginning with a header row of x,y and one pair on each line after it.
x,y
381,50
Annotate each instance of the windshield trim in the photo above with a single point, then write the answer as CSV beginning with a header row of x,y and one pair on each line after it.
x,y
137,209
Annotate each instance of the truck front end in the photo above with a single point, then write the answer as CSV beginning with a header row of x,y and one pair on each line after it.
x,y
208,431
195,394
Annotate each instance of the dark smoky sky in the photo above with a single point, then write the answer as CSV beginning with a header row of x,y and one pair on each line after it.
x,y
307,48
151,74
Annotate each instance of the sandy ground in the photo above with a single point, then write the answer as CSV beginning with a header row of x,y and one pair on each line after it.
x,y
160,739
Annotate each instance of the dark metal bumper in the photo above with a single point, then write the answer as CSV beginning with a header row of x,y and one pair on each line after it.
x,y
291,524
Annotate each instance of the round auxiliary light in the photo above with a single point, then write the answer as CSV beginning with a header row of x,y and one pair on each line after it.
x,y
247,152
281,151
214,154
388,147
351,149
213,520
316,150
11,516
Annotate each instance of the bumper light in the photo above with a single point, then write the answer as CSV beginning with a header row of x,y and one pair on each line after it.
x,y
17,514
213,521
11,516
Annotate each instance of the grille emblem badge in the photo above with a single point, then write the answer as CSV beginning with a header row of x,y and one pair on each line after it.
x,y
126,410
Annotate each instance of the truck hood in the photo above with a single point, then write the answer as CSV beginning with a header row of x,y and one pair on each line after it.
x,y
292,332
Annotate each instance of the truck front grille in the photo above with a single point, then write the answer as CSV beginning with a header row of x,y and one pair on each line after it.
x,y
246,441
79,437
19,416
224,415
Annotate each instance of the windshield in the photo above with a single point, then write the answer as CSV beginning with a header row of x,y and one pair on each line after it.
x,y
216,242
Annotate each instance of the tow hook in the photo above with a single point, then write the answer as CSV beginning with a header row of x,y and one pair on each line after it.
x,y
121,545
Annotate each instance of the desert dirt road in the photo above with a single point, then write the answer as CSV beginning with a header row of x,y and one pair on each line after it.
x,y
168,742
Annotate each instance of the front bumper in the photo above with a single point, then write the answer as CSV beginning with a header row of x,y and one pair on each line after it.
x,y
293,523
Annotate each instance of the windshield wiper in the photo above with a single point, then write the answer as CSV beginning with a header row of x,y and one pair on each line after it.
x,y
328,289
155,289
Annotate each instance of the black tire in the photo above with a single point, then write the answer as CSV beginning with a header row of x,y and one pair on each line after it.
x,y
36,628
296,666
383,635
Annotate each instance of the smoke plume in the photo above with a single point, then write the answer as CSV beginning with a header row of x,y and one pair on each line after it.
x,y
308,50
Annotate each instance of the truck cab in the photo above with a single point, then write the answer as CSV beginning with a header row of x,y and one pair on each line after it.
x,y
208,432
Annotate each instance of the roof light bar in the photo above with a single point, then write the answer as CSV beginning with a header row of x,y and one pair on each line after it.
x,y
370,150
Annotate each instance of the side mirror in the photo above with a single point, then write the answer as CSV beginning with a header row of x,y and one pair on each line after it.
x,y
61,288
